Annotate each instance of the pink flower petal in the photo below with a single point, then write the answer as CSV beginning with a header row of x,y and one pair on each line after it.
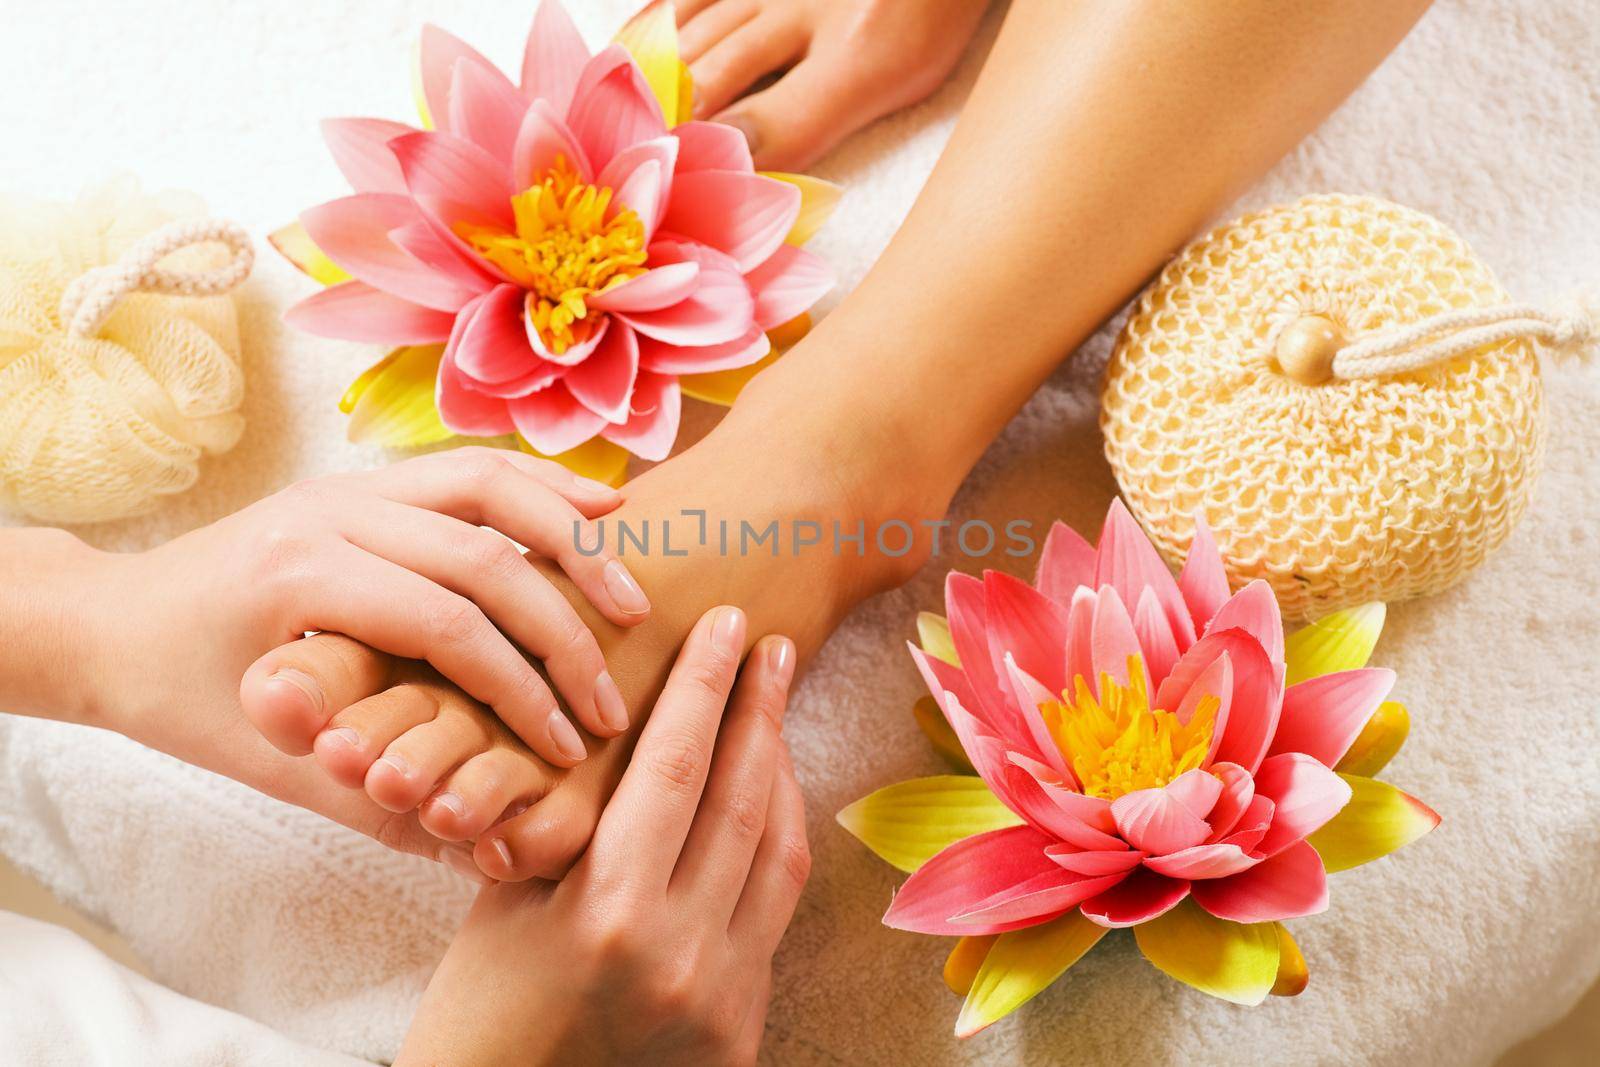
x,y
575,353
421,241
355,311
644,193
1203,582
1305,795
1027,624
1084,821
1254,704
1126,561
652,424
553,421
1254,610
1023,793
1238,789
651,291
1030,694
1140,897
964,875
494,347
1203,861
787,284
1286,886
663,358
1113,642
1080,637
1154,631
485,108
1066,563
603,383
614,111
360,149
1323,715
354,232
461,409
1216,681
966,607
745,215
1157,822
1251,827
455,180
719,310
1041,897
1196,790
437,55
623,170
712,146
543,140
1093,863
554,57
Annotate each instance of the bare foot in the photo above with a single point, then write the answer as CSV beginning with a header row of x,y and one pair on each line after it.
x,y
840,65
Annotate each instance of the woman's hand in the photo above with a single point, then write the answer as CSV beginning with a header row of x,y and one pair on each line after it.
x,y
657,947
395,558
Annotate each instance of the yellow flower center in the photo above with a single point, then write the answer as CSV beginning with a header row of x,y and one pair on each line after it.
x,y
1118,743
564,250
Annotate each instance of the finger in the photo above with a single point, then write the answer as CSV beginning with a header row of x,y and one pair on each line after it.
x,y
479,792
800,118
733,815
478,464
732,65
748,1043
778,874
704,24
512,493
290,693
401,612
357,736
488,570
643,829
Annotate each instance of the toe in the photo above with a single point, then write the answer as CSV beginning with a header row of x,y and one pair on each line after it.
x,y
542,842
412,766
290,693
358,735
729,67
481,790
704,24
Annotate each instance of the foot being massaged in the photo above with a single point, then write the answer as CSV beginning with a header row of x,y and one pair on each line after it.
x,y
452,656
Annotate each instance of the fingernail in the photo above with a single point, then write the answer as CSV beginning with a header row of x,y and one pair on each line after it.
x,y
339,737
500,849
460,861
625,592
728,630
301,681
451,803
400,766
752,132
565,737
592,484
608,703
780,657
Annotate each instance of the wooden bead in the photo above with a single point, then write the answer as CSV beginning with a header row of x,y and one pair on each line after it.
x,y
1306,348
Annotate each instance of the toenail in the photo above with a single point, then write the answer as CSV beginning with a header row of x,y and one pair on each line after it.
x,y
339,737
460,861
400,766
608,703
501,850
625,592
451,803
302,682
565,737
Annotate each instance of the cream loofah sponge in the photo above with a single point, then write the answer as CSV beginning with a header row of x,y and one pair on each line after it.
x,y
112,387
1343,391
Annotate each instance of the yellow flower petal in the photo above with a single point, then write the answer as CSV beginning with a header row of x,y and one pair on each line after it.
x,y
786,335
1378,740
298,248
651,38
938,731
424,119
818,198
685,95
1339,642
1292,973
933,633
1378,819
1021,964
391,404
961,966
1234,961
722,387
596,458
909,822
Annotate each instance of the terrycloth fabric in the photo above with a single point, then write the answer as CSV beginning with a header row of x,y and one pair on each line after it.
x,y
1447,953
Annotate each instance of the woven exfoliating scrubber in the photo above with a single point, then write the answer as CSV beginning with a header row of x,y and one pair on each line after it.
x,y
1343,391
119,350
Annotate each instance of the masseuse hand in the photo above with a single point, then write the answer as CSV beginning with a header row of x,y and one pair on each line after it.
x,y
395,558
657,947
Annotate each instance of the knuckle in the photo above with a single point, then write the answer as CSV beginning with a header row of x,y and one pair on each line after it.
x,y
454,620
480,467
675,992
794,857
746,814
675,765
711,674
490,553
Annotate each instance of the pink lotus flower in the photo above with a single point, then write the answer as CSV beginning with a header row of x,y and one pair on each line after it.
x,y
1148,767
573,249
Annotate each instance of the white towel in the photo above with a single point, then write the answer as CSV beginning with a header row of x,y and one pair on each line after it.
x,y
1488,116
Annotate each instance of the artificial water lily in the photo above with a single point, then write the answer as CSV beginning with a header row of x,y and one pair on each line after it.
x,y
1151,753
572,256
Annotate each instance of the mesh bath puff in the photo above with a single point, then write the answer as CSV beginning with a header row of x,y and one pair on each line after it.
x,y
1345,394
119,350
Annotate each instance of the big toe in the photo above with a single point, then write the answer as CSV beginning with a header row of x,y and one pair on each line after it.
x,y
291,693
543,841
